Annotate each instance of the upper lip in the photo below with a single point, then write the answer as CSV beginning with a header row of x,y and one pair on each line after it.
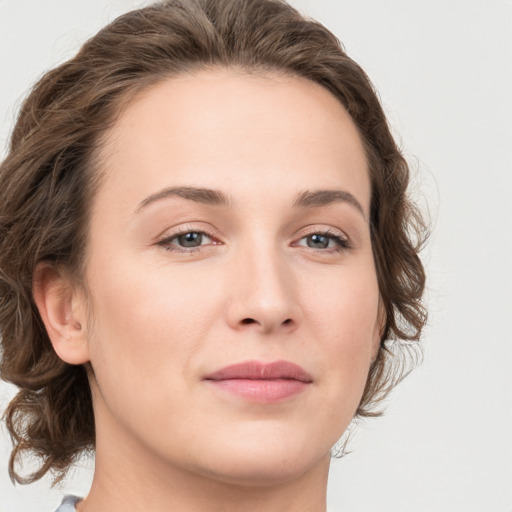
x,y
256,370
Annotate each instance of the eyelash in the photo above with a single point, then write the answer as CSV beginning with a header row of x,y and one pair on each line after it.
x,y
166,242
342,244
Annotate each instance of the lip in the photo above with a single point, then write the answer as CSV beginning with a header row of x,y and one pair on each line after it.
x,y
259,382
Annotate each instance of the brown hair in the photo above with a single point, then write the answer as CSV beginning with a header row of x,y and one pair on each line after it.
x,y
48,182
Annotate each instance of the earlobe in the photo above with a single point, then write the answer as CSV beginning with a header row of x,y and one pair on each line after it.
x,y
62,310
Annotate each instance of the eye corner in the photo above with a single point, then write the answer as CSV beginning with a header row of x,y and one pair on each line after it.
x,y
177,242
323,240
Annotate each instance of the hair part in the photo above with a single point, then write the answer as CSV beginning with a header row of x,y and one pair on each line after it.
x,y
50,175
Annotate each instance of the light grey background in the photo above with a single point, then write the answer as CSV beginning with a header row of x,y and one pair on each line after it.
x,y
444,72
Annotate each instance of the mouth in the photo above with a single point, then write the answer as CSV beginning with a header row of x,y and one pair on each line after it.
x,y
258,382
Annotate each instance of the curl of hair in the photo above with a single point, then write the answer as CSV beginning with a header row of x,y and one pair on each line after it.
x,y
50,175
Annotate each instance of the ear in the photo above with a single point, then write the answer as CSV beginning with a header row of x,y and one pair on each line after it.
x,y
380,324
63,312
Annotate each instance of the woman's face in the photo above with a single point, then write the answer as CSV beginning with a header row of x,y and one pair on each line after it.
x,y
231,228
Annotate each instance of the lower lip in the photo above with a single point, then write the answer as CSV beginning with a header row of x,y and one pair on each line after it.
x,y
261,391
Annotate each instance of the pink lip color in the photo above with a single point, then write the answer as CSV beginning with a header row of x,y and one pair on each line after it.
x,y
261,382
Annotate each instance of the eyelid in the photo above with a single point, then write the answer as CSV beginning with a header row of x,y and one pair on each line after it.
x,y
339,236
187,227
165,240
324,230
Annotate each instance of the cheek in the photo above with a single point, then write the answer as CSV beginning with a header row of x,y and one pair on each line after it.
x,y
346,308
150,322
344,323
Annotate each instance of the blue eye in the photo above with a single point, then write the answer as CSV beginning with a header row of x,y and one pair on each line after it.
x,y
191,239
318,241
187,240
323,241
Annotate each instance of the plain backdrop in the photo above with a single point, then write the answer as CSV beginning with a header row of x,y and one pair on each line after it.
x,y
443,69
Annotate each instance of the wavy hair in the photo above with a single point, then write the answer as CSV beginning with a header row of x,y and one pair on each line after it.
x,y
49,177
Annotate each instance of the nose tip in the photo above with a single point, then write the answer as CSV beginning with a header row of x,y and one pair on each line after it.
x,y
263,297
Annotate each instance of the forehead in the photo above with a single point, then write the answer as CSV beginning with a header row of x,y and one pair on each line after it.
x,y
239,131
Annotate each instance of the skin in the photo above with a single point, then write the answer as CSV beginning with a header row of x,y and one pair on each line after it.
x,y
158,316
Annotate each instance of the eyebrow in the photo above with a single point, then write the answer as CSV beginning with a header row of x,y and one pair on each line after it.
x,y
306,199
199,195
317,198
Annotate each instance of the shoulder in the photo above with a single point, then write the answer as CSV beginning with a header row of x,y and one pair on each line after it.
x,y
68,504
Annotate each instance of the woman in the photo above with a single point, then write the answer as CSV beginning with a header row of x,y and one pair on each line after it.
x,y
207,246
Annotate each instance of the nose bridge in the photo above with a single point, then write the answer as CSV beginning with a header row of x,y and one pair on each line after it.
x,y
264,289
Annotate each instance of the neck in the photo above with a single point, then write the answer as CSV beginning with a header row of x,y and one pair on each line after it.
x,y
122,487
128,476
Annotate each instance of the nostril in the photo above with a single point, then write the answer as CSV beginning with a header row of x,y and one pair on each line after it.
x,y
248,321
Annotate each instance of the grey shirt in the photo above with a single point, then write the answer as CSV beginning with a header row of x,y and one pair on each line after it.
x,y
68,504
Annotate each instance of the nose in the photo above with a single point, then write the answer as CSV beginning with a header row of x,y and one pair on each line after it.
x,y
263,294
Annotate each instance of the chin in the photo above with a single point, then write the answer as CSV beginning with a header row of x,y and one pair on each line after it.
x,y
262,463
261,473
